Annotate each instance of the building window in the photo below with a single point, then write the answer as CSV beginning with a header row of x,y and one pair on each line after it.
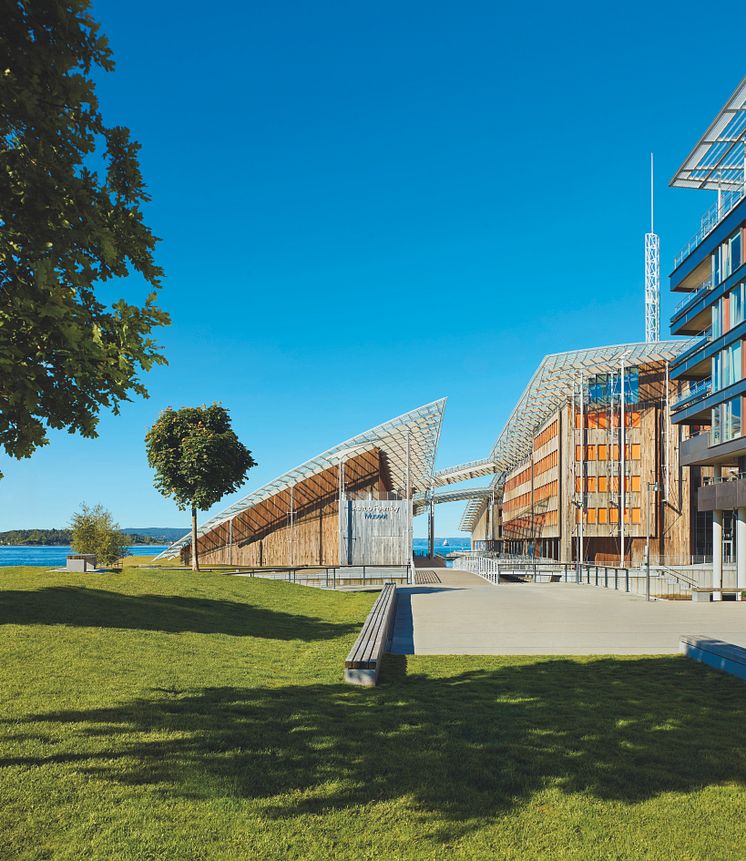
x,y
735,298
727,367
717,317
727,421
727,258
603,485
603,515
731,423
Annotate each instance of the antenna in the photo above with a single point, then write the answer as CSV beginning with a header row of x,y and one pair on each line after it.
x,y
652,272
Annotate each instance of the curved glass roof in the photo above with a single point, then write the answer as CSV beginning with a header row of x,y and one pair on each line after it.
x,y
417,430
717,161
552,385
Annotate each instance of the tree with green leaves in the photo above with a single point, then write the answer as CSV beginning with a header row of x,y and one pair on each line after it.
x,y
94,531
71,197
197,459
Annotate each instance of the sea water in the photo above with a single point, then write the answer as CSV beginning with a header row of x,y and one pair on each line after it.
x,y
55,556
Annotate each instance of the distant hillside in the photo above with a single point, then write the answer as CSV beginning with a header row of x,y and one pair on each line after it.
x,y
51,537
164,534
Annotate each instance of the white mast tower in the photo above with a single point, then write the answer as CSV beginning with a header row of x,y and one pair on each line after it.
x,y
652,274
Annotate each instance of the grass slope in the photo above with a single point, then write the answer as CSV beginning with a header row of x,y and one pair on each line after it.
x,y
167,715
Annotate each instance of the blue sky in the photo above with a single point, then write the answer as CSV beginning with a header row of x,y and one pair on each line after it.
x,y
365,207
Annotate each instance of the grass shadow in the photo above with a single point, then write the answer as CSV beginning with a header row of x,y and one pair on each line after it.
x,y
467,746
83,607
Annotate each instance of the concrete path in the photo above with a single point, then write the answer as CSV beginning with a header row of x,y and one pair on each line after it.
x,y
464,615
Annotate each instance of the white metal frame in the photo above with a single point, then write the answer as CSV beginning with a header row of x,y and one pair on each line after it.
x,y
409,443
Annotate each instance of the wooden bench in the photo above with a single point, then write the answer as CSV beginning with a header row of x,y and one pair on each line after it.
x,y
704,593
364,661
718,654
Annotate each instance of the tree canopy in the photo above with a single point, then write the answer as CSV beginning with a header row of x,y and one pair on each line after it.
x,y
71,196
197,458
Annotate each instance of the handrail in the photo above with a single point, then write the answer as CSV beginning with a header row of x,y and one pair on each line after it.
x,y
699,389
691,298
709,221
698,341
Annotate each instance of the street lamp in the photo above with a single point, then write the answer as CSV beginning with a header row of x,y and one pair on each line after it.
x,y
653,487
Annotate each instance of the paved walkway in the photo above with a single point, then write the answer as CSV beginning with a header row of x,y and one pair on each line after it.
x,y
466,616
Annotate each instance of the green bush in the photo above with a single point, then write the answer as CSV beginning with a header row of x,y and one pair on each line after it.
x,y
94,531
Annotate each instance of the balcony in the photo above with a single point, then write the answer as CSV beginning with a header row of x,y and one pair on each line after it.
x,y
691,298
698,391
709,221
694,450
725,494
688,359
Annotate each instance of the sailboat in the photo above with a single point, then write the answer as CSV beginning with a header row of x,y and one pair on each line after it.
x,y
445,542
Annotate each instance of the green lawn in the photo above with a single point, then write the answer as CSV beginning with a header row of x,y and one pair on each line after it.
x,y
171,715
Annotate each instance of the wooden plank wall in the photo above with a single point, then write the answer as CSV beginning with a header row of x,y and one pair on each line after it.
x,y
262,534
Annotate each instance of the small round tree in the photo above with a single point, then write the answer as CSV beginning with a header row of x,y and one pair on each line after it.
x,y
94,531
197,459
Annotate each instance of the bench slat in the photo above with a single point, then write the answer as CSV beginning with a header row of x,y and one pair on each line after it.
x,y
365,650
369,645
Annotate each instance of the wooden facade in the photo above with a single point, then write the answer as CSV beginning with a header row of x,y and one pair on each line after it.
x,y
296,526
573,472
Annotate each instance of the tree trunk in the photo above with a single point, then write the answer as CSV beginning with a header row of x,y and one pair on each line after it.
x,y
195,559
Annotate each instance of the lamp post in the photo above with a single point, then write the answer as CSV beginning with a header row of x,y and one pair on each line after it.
x,y
653,487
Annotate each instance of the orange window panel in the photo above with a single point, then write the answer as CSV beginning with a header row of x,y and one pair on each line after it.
x,y
591,483
603,484
603,421
634,420
626,515
603,452
635,482
591,515
577,484
577,515
635,451
615,452
635,515
603,515
613,515
591,452
577,453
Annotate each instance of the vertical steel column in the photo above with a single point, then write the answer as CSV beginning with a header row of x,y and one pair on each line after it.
x,y
741,549
431,528
622,465
717,545
581,554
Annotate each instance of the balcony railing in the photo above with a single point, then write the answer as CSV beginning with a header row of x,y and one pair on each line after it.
x,y
691,298
697,343
697,391
714,215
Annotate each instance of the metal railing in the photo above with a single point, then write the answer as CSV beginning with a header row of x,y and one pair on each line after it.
x,y
323,576
731,476
691,298
709,221
699,341
699,390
